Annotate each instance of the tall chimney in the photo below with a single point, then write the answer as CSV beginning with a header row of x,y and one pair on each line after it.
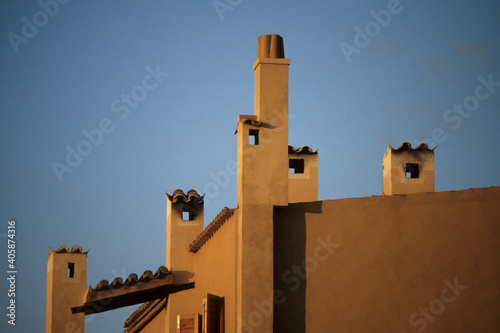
x,y
262,179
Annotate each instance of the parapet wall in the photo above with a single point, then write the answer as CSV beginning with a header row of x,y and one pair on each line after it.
x,y
425,261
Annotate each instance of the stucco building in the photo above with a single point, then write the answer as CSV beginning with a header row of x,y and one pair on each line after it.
x,y
409,260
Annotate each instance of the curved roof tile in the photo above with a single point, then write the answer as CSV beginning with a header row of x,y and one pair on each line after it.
x,y
191,197
252,122
132,279
65,249
407,146
302,150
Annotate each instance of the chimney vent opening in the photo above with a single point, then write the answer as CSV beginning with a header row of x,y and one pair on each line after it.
x,y
296,165
411,170
71,270
253,137
187,214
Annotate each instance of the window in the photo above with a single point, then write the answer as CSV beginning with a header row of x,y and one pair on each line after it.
x,y
213,314
411,170
71,269
253,137
296,165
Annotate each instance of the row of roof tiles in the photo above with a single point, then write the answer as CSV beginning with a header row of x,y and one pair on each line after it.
x,y
301,150
217,222
65,249
131,280
407,146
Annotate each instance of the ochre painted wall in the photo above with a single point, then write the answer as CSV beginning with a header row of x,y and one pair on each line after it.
x,y
157,324
179,303
216,270
402,263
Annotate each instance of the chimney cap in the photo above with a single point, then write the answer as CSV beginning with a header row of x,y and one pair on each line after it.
x,y
65,249
407,146
191,197
270,46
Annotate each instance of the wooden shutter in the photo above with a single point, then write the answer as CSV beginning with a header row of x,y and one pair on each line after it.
x,y
188,323
213,314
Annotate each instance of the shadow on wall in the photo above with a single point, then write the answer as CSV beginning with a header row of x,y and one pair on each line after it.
x,y
290,273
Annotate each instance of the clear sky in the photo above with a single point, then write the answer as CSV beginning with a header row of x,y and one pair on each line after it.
x,y
360,80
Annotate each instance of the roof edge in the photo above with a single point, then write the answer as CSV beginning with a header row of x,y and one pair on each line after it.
x,y
142,312
224,215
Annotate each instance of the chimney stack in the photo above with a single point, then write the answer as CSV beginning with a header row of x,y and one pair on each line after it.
x,y
408,170
184,223
66,288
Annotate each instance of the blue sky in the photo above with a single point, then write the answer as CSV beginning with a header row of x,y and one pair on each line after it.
x,y
419,75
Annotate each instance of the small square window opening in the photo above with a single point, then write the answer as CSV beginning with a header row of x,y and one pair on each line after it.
x,y
186,215
253,137
296,165
71,269
411,170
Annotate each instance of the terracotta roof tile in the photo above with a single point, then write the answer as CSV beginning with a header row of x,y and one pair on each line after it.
x,y
217,222
131,280
407,146
253,122
65,249
134,290
302,150
192,197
